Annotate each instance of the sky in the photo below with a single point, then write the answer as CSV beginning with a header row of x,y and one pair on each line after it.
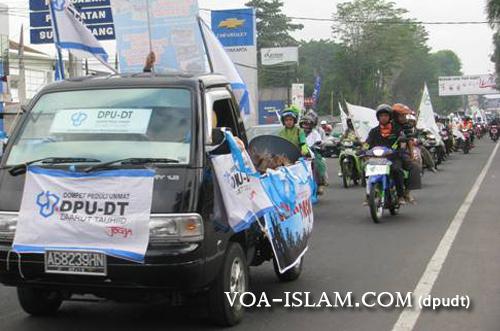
x,y
472,43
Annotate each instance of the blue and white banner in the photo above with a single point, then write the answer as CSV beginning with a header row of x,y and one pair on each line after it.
x,y
170,28
289,226
317,91
244,198
236,30
72,34
106,212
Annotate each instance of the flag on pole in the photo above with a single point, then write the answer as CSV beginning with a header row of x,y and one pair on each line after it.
x,y
221,63
426,116
343,118
70,33
363,119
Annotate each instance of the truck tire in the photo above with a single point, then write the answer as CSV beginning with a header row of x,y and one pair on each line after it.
x,y
39,302
233,277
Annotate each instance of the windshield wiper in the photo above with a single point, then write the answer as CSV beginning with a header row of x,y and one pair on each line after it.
x,y
20,169
130,161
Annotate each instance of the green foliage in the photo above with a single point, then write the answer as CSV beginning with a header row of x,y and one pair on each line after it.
x,y
377,55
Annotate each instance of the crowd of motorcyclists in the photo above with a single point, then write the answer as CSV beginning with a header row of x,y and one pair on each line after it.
x,y
413,151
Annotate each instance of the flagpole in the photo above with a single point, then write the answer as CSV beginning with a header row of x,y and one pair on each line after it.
x,y
57,40
150,34
209,58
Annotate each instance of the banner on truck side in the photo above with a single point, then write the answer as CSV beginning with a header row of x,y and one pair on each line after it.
x,y
106,211
290,225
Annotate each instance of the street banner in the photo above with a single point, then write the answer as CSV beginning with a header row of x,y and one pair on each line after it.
x,y
290,224
106,211
244,198
170,28
467,85
426,115
363,119
236,29
298,96
281,56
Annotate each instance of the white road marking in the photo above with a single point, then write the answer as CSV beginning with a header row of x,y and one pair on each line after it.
x,y
408,317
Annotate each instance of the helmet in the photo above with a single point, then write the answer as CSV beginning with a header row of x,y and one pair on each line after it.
x,y
401,109
291,111
313,115
323,123
384,109
308,118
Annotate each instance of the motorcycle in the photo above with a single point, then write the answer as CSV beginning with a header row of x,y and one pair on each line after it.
x,y
350,164
380,187
478,131
448,141
466,143
331,147
430,142
494,133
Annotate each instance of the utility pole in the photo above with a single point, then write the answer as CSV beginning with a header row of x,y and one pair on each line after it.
x,y
21,85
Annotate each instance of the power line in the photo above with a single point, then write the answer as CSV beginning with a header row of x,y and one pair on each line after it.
x,y
382,21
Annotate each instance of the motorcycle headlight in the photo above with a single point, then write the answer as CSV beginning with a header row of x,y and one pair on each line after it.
x,y
175,228
8,224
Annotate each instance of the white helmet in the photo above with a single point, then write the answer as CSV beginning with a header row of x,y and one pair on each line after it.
x,y
323,123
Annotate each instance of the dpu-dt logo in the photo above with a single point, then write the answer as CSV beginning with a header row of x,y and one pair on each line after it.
x,y
47,202
78,118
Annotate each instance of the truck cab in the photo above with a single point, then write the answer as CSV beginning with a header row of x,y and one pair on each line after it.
x,y
178,118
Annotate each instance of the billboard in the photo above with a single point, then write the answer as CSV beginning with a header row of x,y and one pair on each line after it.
x,y
95,14
236,29
282,55
269,110
467,85
298,96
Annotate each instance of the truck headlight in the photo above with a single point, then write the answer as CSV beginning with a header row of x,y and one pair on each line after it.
x,y
175,228
8,224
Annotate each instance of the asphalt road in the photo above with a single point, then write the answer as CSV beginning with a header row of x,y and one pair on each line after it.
x,y
349,252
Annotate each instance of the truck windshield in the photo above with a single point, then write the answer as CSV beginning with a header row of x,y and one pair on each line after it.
x,y
108,125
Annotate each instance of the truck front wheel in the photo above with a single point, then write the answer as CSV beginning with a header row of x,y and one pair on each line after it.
x,y
226,308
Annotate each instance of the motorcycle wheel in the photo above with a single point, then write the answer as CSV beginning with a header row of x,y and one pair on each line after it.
x,y
346,174
466,148
376,203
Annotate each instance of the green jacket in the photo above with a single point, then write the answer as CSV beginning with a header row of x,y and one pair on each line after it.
x,y
297,137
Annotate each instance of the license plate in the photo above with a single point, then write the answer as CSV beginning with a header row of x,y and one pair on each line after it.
x,y
374,170
75,263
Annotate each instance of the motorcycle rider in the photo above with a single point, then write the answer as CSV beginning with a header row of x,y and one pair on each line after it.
x,y
291,132
314,141
386,134
410,162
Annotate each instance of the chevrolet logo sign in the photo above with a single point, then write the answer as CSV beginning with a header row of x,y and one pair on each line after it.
x,y
231,23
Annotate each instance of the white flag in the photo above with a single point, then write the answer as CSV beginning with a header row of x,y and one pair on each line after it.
x,y
343,118
363,119
426,115
70,33
222,64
